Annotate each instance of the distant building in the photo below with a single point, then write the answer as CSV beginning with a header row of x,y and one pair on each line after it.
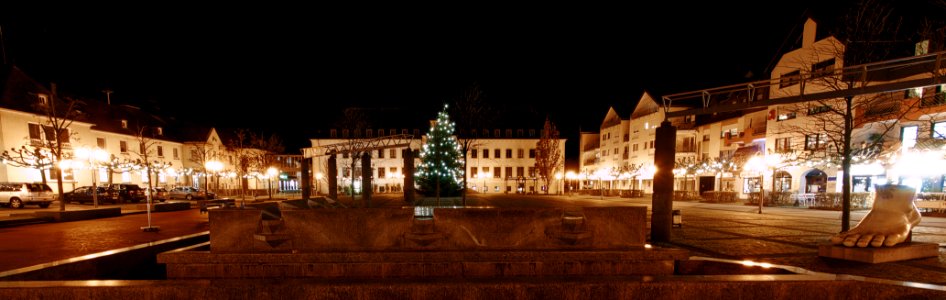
x,y
118,131
502,161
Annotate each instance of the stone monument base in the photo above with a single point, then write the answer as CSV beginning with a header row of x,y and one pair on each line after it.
x,y
905,251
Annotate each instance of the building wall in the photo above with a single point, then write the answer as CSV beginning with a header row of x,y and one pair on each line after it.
x,y
14,130
392,181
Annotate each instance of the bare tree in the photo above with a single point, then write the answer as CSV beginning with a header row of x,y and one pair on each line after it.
x,y
146,161
353,123
201,153
59,113
268,148
29,157
470,113
548,154
246,157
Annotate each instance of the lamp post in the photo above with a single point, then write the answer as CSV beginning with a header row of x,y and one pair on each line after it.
x,y
214,166
570,177
761,164
482,177
270,173
94,157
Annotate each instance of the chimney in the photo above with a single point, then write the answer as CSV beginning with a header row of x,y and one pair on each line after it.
x,y
808,36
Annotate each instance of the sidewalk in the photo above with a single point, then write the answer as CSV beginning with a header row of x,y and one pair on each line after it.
x,y
790,236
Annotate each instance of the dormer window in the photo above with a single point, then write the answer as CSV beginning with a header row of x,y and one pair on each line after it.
x,y
124,124
43,99
159,131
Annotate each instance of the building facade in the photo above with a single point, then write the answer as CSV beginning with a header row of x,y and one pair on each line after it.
x,y
104,143
798,144
500,161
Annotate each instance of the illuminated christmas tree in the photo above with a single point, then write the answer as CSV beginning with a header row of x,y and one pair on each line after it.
x,y
440,168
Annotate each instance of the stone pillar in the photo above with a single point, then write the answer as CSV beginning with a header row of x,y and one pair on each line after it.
x,y
408,170
332,177
366,178
306,165
664,157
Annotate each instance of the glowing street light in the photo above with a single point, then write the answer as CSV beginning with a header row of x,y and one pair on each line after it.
x,y
571,176
94,157
761,164
483,177
214,166
270,173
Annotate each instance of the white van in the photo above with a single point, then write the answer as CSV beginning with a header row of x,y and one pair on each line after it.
x,y
17,194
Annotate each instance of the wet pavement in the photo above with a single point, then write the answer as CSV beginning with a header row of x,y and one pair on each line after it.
x,y
27,245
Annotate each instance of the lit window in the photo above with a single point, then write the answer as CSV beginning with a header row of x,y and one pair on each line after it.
x,y
124,124
815,141
939,130
908,135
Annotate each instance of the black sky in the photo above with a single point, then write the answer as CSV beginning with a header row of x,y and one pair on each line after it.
x,y
292,68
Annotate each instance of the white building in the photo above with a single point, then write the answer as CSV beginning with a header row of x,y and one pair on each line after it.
x,y
118,137
502,160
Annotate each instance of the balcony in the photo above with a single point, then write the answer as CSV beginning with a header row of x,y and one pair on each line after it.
x,y
686,149
932,100
882,109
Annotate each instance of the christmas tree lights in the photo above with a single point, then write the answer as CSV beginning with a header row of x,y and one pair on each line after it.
x,y
440,159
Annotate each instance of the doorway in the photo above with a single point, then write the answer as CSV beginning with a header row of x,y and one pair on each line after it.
x,y
707,183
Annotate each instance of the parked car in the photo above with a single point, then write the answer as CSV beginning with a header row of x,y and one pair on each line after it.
x,y
83,194
189,193
18,194
124,192
159,194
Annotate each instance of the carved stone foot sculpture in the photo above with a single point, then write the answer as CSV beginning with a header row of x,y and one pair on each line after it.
x,y
888,223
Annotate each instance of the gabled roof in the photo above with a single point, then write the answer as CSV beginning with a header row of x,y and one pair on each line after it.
x,y
611,118
647,105
19,91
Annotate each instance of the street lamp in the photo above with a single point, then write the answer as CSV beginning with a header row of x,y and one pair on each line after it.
x,y
270,173
483,177
214,166
571,176
761,164
94,157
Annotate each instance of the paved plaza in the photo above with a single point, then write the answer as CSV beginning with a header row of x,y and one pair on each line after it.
x,y
781,236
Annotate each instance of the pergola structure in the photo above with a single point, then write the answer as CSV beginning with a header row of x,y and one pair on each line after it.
x,y
363,146
888,76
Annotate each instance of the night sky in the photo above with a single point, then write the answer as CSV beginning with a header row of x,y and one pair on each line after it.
x,y
291,69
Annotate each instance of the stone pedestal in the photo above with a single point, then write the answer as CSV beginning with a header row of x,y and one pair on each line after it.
x,y
905,251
